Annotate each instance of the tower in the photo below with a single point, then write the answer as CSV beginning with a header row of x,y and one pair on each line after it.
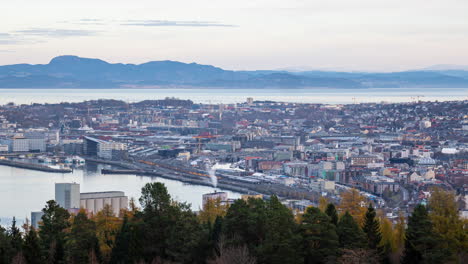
x,y
67,195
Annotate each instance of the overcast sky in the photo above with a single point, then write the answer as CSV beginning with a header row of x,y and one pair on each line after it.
x,y
370,35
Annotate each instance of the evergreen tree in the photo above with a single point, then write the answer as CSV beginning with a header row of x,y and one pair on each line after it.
x,y
16,238
127,247
6,251
422,244
82,243
171,231
31,247
349,233
372,228
281,237
331,212
319,237
51,232
245,224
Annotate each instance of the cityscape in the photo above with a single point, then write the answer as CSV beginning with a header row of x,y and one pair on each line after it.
x,y
394,155
234,132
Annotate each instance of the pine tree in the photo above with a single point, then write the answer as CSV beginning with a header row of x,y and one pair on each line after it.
x,y
127,247
52,237
349,233
245,223
282,240
331,212
170,230
82,241
16,238
6,250
372,228
319,237
31,247
422,244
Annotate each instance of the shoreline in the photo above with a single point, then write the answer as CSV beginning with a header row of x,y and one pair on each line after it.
x,y
30,166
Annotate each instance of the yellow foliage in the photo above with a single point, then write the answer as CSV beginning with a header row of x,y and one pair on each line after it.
x,y
443,211
323,202
212,209
107,227
353,202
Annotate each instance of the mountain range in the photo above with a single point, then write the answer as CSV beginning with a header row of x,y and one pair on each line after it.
x,y
77,72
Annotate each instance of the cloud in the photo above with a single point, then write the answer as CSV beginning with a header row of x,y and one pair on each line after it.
x,y
86,22
7,39
174,23
56,33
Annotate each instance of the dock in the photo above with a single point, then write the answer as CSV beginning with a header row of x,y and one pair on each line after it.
x,y
31,166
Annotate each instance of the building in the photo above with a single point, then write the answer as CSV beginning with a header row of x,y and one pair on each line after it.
x,y
94,202
36,140
223,196
19,144
67,195
4,148
246,197
36,217
363,160
321,185
101,148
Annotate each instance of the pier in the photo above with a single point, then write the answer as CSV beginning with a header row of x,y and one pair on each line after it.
x,y
31,166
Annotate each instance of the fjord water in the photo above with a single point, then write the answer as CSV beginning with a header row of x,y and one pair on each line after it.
x,y
216,96
23,191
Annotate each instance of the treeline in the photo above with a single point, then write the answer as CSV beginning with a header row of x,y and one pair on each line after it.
x,y
246,232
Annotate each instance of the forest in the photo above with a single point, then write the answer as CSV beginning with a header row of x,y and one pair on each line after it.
x,y
263,231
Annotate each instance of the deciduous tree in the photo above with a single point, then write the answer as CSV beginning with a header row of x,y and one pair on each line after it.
x,y
353,202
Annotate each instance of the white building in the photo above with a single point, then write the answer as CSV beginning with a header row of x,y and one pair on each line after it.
x,y
94,202
37,141
223,196
67,195
105,148
19,144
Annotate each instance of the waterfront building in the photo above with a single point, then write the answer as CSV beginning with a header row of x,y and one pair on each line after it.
x,y
223,196
4,148
67,195
94,202
36,140
101,148
19,144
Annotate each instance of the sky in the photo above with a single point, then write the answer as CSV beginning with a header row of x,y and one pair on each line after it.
x,y
352,35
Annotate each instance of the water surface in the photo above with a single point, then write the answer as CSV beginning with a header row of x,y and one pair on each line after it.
x,y
23,191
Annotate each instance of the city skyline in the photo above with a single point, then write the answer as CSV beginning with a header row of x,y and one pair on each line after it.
x,y
300,35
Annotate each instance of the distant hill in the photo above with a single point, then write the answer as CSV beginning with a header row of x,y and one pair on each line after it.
x,y
76,72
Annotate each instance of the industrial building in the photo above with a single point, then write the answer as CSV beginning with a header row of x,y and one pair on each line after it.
x,y
67,195
94,202
222,196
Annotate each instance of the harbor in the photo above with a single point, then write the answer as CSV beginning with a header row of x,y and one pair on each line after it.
x,y
33,166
